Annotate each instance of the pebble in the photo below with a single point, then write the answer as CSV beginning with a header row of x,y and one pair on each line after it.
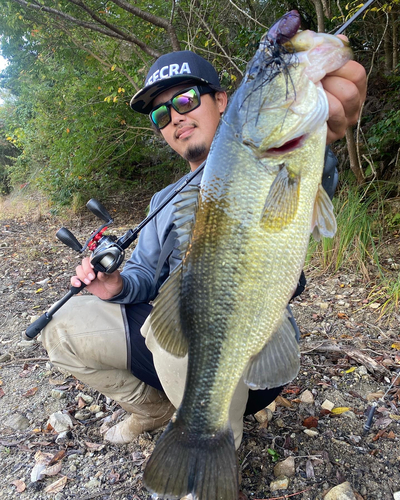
x,y
82,415
94,408
18,422
263,416
361,370
93,483
311,433
396,495
307,397
328,405
57,394
285,468
60,422
341,492
349,414
88,399
62,437
5,357
281,483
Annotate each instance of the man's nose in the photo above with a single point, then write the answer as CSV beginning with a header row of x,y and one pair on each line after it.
x,y
176,117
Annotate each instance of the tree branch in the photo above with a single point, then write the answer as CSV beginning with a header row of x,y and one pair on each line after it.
x,y
151,18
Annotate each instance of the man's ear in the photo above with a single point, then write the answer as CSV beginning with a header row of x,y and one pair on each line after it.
x,y
222,101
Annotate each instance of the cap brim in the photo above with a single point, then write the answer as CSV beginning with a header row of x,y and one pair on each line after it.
x,y
142,101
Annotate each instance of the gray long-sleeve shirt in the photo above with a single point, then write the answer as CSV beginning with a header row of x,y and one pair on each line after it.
x,y
139,271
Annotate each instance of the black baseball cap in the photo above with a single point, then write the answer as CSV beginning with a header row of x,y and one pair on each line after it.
x,y
175,68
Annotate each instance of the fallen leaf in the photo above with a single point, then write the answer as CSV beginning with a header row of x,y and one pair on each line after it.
x,y
2,393
81,403
280,400
396,345
350,370
340,409
310,422
53,470
30,392
20,485
57,486
342,316
58,456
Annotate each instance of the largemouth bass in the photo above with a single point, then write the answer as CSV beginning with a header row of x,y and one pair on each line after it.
x,y
243,240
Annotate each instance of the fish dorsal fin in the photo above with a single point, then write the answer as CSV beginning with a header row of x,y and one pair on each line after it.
x,y
165,319
184,217
282,201
278,362
324,221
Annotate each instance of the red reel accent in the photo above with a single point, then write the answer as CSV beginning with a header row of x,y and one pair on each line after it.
x,y
93,242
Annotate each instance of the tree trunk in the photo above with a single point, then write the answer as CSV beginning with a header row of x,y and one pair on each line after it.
x,y
388,51
395,39
352,149
320,15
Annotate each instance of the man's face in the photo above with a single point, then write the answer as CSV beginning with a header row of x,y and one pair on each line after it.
x,y
191,134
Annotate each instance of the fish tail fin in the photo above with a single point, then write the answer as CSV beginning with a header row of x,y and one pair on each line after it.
x,y
183,463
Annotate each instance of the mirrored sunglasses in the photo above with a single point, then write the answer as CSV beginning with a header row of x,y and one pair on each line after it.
x,y
183,101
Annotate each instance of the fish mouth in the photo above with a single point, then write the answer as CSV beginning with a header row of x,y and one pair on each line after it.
x,y
289,146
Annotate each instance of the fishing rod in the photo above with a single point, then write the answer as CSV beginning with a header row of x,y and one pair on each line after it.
x,y
108,251
354,17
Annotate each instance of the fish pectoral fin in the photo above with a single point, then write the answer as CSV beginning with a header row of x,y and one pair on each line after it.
x,y
282,201
165,318
323,221
278,362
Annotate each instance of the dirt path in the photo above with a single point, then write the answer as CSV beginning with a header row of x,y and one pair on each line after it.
x,y
349,358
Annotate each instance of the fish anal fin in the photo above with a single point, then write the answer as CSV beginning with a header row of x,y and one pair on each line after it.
x,y
282,201
183,463
323,221
278,362
165,318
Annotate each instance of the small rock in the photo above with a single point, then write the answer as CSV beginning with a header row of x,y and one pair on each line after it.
x,y
341,492
62,437
5,357
349,414
263,416
94,408
328,405
396,495
93,483
57,394
361,370
285,468
88,399
307,397
100,414
281,483
18,422
311,432
82,415
324,305
60,422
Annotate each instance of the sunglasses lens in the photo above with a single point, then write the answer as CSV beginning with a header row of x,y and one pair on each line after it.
x,y
183,103
161,117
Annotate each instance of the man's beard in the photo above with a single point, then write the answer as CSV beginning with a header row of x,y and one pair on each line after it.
x,y
195,153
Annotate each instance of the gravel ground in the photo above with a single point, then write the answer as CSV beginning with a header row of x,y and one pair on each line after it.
x,y
309,441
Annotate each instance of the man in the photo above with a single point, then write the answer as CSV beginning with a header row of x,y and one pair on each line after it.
x,y
102,342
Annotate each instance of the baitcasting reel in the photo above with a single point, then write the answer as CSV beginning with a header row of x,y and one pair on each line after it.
x,y
107,254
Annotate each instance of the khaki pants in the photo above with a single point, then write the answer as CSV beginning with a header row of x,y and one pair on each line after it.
x,y
88,338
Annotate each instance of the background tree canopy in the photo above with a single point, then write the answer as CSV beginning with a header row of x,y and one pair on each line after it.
x,y
65,123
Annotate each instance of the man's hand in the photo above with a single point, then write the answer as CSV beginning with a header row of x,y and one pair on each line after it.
x,y
104,286
346,90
